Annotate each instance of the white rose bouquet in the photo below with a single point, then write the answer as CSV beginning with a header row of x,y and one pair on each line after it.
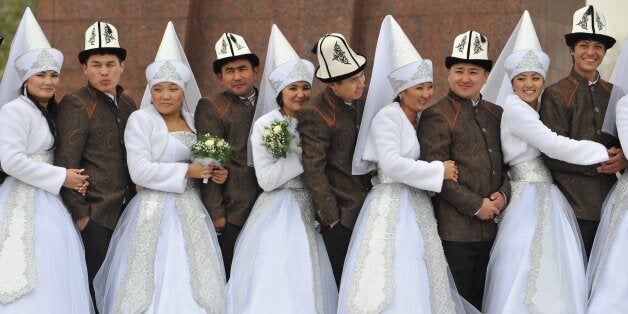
x,y
210,150
277,136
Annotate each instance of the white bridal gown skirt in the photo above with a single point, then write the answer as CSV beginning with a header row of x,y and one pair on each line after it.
x,y
61,274
172,290
537,259
607,271
394,245
280,263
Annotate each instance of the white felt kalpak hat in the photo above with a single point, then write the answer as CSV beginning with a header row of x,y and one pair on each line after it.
x,y
527,55
407,67
101,37
171,65
336,60
283,67
30,53
230,47
470,47
589,23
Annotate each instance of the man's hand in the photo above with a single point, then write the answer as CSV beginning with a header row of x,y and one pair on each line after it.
x,y
616,163
498,200
488,210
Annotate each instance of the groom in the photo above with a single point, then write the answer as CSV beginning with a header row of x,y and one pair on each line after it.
x,y
465,128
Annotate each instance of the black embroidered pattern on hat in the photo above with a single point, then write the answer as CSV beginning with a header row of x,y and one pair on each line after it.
x,y
462,44
477,47
108,34
223,50
600,25
339,55
92,37
235,41
584,21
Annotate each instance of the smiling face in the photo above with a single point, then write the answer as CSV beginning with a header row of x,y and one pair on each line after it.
x,y
294,96
103,72
416,98
528,86
167,98
350,88
238,76
587,57
466,80
42,86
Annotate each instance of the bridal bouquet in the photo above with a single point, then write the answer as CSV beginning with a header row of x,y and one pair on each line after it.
x,y
211,150
277,136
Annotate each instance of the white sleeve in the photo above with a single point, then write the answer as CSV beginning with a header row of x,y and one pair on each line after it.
x,y
386,129
160,176
15,126
272,173
525,123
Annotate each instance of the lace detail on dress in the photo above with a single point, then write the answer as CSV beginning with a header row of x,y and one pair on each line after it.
x,y
18,274
531,171
136,289
372,287
304,199
618,210
545,288
206,277
185,137
441,299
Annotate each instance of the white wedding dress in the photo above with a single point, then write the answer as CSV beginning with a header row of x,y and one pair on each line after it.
x,y
607,271
164,255
42,261
395,262
537,259
280,263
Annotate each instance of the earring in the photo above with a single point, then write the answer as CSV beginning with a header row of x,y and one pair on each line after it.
x,y
24,91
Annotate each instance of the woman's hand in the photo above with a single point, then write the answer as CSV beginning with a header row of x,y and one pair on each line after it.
x,y
76,180
198,171
219,175
451,171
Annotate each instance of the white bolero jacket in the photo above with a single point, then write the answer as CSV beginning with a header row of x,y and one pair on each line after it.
x,y
393,144
272,173
23,133
145,137
524,137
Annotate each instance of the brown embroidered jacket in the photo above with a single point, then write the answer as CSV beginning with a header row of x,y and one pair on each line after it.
x,y
572,108
453,129
227,116
329,130
90,136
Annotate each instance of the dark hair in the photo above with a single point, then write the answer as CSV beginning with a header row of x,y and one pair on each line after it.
x,y
49,113
279,99
397,99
